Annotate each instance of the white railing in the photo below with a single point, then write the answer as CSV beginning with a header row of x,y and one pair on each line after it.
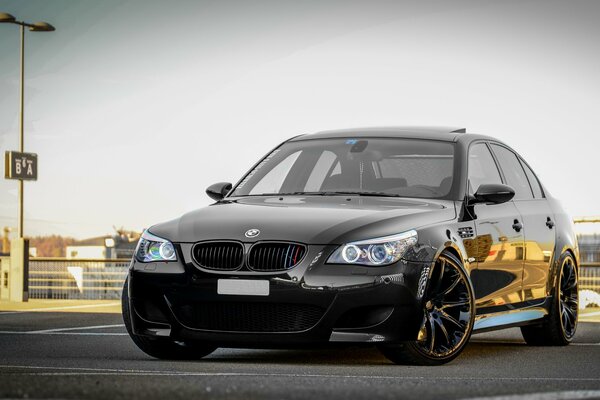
x,y
91,279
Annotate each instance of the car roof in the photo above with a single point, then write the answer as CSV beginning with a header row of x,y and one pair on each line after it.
x,y
449,134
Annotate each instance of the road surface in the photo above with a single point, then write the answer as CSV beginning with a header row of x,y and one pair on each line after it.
x,y
89,355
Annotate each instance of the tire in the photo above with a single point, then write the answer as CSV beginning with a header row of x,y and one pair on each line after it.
x,y
162,348
560,326
448,312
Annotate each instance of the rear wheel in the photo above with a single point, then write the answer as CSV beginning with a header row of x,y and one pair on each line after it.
x,y
448,315
561,324
163,348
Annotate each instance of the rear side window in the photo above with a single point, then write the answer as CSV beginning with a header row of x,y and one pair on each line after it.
x,y
533,181
513,172
482,168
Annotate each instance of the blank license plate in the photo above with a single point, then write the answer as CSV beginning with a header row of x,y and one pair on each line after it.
x,y
243,287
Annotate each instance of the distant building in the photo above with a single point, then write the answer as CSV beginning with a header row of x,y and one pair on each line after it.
x,y
589,248
103,247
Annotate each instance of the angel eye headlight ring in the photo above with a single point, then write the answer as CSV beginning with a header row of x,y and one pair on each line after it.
x,y
152,248
380,251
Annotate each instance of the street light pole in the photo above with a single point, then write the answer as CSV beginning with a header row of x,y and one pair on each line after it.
x,y
21,129
33,27
18,283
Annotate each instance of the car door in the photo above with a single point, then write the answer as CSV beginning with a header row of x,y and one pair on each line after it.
x,y
498,240
538,221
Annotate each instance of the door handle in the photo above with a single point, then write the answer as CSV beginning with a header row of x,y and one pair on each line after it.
x,y
549,223
517,226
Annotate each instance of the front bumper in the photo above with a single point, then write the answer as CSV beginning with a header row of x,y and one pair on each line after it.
x,y
314,303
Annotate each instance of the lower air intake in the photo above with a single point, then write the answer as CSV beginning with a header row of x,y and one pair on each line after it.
x,y
249,317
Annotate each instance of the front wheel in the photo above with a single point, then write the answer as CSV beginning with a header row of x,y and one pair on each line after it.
x,y
163,348
448,316
561,324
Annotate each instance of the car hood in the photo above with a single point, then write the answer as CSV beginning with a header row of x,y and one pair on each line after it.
x,y
310,219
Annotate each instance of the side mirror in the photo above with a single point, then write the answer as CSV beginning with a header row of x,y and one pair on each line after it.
x,y
493,193
218,190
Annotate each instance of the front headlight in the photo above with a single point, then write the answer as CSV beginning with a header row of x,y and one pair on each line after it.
x,y
374,252
152,248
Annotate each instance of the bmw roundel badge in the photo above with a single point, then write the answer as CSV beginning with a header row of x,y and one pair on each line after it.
x,y
250,233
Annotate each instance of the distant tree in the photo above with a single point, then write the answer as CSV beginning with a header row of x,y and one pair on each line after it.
x,y
51,246
126,234
55,245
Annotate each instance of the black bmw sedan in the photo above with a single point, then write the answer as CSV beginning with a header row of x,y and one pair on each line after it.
x,y
410,239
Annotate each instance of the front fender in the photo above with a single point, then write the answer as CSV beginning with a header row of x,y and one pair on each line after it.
x,y
432,241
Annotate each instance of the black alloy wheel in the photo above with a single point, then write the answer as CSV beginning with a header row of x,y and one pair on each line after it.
x,y
559,328
569,298
448,315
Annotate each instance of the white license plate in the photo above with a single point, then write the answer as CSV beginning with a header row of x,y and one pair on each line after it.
x,y
243,287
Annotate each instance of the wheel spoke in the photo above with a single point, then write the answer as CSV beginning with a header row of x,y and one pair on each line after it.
x,y
453,285
563,277
564,317
570,323
571,300
422,336
451,304
571,285
431,335
570,312
450,318
444,331
569,281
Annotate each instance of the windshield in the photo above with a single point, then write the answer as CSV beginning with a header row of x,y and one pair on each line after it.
x,y
368,167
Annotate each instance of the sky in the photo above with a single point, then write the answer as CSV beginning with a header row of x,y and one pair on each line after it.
x,y
136,106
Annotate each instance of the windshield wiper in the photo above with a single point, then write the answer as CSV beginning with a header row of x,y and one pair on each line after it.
x,y
337,193
369,194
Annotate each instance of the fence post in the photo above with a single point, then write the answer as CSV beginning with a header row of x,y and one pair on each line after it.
x,y
19,270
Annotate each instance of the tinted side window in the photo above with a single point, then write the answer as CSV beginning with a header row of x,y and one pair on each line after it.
x,y
533,181
482,168
513,172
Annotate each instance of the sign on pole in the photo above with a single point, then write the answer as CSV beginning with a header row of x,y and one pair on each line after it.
x,y
20,165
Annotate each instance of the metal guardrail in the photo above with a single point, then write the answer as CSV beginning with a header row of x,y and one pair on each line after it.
x,y
589,277
99,279
586,220
90,279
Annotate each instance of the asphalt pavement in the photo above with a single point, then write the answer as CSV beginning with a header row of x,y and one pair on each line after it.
x,y
89,355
